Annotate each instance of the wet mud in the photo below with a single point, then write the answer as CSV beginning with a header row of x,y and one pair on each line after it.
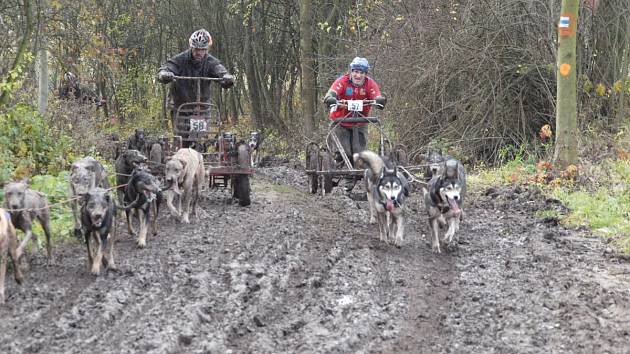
x,y
301,273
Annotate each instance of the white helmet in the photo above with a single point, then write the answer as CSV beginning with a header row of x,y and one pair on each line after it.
x,y
200,39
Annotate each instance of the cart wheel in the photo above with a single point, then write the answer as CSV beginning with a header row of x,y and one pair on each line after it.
x,y
242,188
327,165
312,163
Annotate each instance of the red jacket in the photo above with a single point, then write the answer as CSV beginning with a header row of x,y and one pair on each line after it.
x,y
345,90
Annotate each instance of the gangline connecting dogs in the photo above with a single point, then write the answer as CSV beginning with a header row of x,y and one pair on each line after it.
x,y
444,199
386,190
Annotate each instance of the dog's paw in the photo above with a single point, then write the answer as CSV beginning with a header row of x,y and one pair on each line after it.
x,y
96,269
18,277
451,247
436,248
185,219
372,220
141,243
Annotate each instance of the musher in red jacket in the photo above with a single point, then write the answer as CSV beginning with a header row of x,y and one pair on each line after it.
x,y
355,85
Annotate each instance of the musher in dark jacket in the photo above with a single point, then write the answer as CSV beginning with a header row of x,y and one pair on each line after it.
x,y
193,62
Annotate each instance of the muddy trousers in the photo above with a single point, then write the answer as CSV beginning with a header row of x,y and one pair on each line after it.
x,y
352,139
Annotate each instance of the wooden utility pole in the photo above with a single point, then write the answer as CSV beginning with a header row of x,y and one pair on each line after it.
x,y
566,108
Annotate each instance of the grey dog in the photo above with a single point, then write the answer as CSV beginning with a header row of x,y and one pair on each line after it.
x,y
98,217
444,200
25,205
85,174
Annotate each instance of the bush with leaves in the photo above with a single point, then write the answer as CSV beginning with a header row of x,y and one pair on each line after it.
x,y
29,145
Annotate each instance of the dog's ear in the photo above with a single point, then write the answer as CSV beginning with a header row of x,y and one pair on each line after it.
x,y
183,162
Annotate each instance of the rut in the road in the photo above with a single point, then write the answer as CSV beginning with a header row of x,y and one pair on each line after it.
x,y
301,273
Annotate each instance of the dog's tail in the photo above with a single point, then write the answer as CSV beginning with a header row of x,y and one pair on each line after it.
x,y
374,162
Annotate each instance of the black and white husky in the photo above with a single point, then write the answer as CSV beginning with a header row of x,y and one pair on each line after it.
x,y
386,190
444,198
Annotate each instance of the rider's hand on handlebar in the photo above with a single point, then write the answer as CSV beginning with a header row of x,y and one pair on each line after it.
x,y
330,100
228,81
381,101
166,76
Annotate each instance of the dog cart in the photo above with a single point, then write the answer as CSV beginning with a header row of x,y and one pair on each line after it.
x,y
324,172
226,160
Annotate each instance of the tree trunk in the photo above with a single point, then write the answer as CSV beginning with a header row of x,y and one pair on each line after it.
x,y
625,62
42,63
309,82
4,97
566,109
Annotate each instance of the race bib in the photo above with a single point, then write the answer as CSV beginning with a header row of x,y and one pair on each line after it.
x,y
355,105
198,125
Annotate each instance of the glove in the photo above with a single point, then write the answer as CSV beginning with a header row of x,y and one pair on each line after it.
x,y
165,76
228,81
381,100
330,100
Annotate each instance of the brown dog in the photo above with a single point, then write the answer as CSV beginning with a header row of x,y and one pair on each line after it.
x,y
8,247
184,175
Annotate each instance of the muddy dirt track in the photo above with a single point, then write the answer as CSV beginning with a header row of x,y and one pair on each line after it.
x,y
296,273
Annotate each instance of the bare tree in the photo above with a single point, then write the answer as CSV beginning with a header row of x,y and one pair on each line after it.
x,y
309,80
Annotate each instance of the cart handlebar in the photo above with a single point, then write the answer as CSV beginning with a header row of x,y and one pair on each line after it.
x,y
344,103
197,78
355,120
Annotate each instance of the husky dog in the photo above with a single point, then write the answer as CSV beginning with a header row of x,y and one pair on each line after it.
x,y
386,190
444,200
435,164
254,142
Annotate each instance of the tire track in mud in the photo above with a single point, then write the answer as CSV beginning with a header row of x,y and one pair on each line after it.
x,y
301,273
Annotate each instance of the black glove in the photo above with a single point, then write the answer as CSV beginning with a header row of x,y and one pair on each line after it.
x,y
330,100
228,81
381,100
165,76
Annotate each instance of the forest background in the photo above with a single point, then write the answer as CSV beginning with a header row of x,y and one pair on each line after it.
x,y
476,79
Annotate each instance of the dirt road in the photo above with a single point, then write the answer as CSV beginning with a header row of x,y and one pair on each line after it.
x,y
296,273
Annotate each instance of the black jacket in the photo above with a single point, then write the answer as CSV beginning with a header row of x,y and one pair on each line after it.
x,y
183,91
